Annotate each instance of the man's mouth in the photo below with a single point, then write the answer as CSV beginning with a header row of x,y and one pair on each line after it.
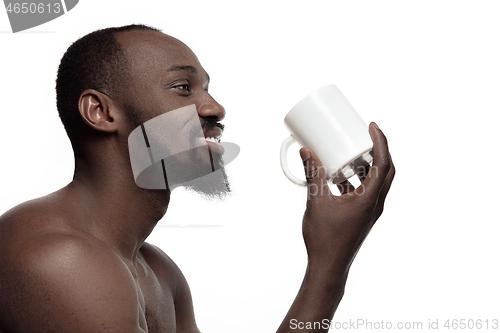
x,y
214,146
212,138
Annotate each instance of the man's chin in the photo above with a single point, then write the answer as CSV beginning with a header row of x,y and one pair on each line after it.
x,y
213,186
199,170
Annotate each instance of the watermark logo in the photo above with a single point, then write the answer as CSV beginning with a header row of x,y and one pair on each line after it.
x,y
176,149
28,14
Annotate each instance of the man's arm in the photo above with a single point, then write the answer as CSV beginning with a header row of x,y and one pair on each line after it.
x,y
334,227
64,283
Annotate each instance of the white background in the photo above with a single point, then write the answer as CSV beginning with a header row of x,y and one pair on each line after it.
x,y
428,72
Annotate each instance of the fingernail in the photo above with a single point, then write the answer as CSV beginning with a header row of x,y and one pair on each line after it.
x,y
305,154
376,126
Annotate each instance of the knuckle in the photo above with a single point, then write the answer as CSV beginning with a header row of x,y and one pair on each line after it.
x,y
312,173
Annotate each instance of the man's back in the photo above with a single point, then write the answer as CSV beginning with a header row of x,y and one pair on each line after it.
x,y
50,264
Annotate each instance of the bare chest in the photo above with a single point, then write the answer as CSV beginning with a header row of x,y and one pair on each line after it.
x,y
156,304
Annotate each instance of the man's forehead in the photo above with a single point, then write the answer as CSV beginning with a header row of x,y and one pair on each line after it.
x,y
153,49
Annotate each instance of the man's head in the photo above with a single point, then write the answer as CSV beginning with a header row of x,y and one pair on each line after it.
x,y
112,80
96,61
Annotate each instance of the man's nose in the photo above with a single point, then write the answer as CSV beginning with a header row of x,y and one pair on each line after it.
x,y
211,109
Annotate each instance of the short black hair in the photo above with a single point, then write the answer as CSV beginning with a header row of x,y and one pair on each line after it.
x,y
95,61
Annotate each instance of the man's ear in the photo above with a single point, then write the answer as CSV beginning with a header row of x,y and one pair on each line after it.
x,y
98,111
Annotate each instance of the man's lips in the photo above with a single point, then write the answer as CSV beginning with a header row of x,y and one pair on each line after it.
x,y
215,133
212,138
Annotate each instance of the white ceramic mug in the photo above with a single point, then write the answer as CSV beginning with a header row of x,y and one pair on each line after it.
x,y
325,122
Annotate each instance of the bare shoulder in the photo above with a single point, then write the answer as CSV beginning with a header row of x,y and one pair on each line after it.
x,y
29,225
159,261
54,278
30,214
166,270
38,229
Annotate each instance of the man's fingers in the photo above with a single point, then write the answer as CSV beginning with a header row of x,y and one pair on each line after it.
x,y
362,172
345,187
381,161
388,182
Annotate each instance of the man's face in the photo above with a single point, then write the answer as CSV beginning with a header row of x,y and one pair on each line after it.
x,y
165,75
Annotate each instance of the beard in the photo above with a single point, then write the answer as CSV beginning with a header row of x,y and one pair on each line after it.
x,y
198,169
213,186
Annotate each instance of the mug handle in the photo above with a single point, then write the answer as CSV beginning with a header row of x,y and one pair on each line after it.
x,y
284,162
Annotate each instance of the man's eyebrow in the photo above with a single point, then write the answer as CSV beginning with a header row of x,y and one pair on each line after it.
x,y
183,68
190,69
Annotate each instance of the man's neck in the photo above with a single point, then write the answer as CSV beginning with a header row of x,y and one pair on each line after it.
x,y
113,208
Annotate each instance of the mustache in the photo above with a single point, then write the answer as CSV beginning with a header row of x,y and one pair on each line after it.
x,y
208,125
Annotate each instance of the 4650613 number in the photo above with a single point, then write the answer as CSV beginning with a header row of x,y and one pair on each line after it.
x,y
33,8
476,324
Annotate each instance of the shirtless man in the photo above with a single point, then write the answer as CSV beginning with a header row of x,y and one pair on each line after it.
x,y
77,261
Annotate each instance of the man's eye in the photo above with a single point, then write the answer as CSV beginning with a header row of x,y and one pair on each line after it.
x,y
183,87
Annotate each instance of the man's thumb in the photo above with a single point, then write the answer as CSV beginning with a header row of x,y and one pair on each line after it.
x,y
312,166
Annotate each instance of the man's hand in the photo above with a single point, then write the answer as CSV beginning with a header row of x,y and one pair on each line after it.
x,y
334,227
